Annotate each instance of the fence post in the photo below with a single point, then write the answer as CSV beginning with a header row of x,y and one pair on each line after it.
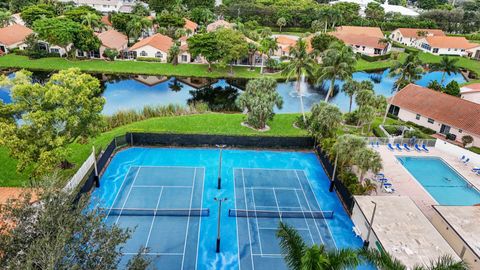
x,y
96,180
131,138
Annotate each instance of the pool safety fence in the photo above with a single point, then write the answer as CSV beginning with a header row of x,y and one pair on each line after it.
x,y
280,214
345,195
401,141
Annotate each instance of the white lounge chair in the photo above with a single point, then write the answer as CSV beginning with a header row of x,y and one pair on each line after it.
x,y
466,161
462,158
387,187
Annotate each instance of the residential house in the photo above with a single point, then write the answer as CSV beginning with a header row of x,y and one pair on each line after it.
x,y
190,26
106,22
13,36
110,39
471,92
408,36
438,111
284,43
445,45
105,6
219,24
17,19
474,51
156,46
364,40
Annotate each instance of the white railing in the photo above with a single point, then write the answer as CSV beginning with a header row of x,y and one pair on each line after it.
x,y
80,174
401,141
458,151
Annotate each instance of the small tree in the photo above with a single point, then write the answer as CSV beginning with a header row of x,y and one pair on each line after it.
x,y
453,89
59,232
367,159
324,120
435,85
111,54
466,140
317,26
281,22
259,99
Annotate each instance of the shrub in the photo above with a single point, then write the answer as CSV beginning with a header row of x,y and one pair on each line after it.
x,y
351,118
374,58
149,59
467,139
394,117
111,54
415,133
451,136
474,149
378,132
453,89
423,129
393,130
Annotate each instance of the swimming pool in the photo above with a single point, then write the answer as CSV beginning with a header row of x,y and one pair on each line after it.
x,y
251,180
443,183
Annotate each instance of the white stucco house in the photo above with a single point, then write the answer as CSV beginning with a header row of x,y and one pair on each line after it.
x,y
471,92
445,45
158,46
438,111
364,40
106,6
408,36
110,39
13,36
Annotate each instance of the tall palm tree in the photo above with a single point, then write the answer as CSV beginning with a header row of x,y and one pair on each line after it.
x,y
407,71
299,256
137,25
92,20
6,18
252,49
301,63
173,53
447,65
367,159
351,88
384,260
338,62
267,46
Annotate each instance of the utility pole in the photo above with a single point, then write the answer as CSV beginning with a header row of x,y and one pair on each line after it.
x,y
366,242
219,200
219,179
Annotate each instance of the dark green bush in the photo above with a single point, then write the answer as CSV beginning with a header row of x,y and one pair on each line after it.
x,y
378,132
451,137
149,59
374,58
394,117
351,118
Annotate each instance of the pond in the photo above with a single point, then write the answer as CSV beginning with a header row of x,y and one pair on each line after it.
x,y
135,92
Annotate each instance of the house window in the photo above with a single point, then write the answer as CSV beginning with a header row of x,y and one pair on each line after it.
x,y
435,50
460,131
418,116
55,50
430,120
363,47
184,58
158,55
143,53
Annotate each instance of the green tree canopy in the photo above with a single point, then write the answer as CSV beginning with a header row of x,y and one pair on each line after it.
x,y
52,116
5,17
452,88
231,45
56,31
31,14
77,14
120,21
375,12
205,45
53,233
259,99
202,15
447,65
321,42
324,120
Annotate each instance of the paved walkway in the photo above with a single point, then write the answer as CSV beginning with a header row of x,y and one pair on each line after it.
x,y
405,184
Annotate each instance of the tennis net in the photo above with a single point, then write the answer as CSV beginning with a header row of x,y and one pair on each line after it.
x,y
157,212
280,214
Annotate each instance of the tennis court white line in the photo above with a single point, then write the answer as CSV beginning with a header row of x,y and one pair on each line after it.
x,y
153,253
268,255
153,166
153,219
248,220
276,229
270,188
304,217
118,192
265,169
200,222
188,220
316,200
283,207
256,221
310,208
143,186
128,195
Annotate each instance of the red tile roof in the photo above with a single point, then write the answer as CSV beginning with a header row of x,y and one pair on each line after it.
x,y
13,34
158,41
471,88
454,111
450,42
413,32
219,24
360,36
106,21
190,24
113,39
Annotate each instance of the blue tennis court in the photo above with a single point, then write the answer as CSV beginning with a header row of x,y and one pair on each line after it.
x,y
263,198
166,196
164,205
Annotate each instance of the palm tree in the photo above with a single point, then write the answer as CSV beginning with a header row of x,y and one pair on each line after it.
x,y
173,53
252,49
6,18
407,71
383,260
447,65
324,120
92,20
299,256
137,25
350,88
367,159
301,63
338,61
267,46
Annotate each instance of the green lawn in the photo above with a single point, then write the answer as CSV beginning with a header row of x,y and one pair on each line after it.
x,y
213,123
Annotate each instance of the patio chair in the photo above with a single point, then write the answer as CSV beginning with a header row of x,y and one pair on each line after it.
x,y
378,144
466,161
387,187
406,147
398,147
424,147
390,147
418,148
462,158
476,169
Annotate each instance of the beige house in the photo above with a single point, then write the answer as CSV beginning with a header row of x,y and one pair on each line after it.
x,y
364,40
408,36
13,36
438,111
158,46
219,24
114,40
471,92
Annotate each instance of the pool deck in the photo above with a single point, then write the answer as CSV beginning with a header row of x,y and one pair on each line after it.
x,y
406,185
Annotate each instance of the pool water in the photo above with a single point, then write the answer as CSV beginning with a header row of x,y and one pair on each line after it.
x,y
304,165
136,92
443,183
